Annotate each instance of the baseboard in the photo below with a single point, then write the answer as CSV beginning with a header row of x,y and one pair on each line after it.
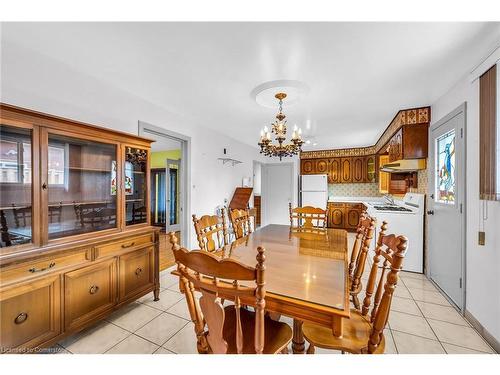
x,y
486,335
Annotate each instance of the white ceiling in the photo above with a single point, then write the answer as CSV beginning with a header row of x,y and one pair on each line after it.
x,y
359,74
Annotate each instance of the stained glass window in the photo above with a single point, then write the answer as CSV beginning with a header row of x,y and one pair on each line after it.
x,y
445,168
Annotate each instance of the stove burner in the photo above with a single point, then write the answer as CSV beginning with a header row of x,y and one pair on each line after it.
x,y
392,208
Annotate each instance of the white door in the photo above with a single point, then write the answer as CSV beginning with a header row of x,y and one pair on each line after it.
x,y
173,205
277,192
446,205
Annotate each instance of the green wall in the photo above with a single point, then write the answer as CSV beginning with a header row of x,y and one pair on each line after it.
x,y
158,158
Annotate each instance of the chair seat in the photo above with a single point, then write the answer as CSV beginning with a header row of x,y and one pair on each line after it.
x,y
277,335
356,334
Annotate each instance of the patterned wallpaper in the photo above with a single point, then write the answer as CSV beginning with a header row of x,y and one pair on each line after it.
x,y
353,190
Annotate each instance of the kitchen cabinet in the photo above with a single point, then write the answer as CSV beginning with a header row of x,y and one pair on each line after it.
x,y
383,179
409,142
344,215
356,169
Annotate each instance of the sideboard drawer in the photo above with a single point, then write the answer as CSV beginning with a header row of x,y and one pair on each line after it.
x,y
39,267
136,272
89,292
119,246
30,313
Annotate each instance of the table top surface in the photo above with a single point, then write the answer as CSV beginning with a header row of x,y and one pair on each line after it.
x,y
306,265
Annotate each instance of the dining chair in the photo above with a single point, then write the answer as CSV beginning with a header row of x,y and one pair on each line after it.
x,y
362,242
241,222
364,331
211,231
230,329
307,217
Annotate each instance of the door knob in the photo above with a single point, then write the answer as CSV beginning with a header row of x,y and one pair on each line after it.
x,y
430,212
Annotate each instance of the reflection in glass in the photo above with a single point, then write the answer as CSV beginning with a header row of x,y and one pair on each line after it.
x,y
80,173
135,185
445,158
15,186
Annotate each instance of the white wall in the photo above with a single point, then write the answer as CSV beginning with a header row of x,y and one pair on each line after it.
x,y
482,262
37,82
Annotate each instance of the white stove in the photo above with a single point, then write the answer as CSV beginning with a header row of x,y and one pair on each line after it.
x,y
404,217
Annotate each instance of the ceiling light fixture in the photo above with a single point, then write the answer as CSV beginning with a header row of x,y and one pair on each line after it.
x,y
278,127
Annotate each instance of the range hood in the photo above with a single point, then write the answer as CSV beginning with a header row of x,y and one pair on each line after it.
x,y
404,166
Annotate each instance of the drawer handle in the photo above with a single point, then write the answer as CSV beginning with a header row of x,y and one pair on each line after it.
x,y
93,289
21,318
33,270
138,271
124,246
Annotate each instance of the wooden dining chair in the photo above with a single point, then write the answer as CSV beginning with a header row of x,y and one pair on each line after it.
x,y
364,331
362,242
211,231
307,217
241,222
230,329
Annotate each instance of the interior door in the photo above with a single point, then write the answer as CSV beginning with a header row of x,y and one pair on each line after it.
x,y
277,192
446,210
173,195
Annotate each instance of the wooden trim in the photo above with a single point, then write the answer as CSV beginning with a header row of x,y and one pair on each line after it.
x,y
487,134
44,193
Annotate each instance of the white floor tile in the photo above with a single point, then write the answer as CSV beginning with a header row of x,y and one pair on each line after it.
x,y
390,347
133,316
414,325
133,345
419,284
411,344
428,296
459,335
161,328
96,340
439,312
163,351
405,305
183,342
454,349
168,298
180,309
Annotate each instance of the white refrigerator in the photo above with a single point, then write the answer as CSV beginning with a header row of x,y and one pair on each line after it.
x,y
314,190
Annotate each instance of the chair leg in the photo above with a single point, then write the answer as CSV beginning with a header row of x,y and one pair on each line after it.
x,y
310,350
355,301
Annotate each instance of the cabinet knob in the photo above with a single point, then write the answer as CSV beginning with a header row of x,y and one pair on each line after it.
x,y
138,271
430,212
21,318
93,289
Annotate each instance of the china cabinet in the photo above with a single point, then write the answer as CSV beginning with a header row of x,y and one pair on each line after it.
x,y
75,239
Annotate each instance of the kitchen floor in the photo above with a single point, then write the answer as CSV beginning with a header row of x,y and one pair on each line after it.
x,y
421,322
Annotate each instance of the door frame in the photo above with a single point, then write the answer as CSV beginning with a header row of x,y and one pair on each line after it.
x,y
167,181
264,187
463,196
151,131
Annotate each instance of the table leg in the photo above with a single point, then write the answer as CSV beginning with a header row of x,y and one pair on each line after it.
x,y
298,342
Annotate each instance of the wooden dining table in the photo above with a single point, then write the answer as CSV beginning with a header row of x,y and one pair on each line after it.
x,y
306,274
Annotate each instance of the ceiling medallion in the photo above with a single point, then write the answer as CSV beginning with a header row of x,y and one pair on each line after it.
x,y
278,127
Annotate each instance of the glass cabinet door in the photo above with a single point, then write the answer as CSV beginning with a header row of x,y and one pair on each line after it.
x,y
136,207
15,186
81,184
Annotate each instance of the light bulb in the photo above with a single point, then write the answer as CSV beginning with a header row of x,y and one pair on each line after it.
x,y
266,129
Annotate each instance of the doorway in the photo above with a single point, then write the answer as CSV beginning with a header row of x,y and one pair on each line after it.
x,y
277,193
446,205
173,211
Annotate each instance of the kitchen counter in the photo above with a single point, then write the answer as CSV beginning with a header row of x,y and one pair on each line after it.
x,y
356,199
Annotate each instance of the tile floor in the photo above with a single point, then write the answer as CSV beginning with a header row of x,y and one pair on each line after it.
x,y
421,321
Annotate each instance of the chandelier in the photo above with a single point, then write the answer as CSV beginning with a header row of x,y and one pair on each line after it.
x,y
278,127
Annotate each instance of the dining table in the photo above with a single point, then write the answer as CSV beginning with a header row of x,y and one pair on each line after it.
x,y
306,274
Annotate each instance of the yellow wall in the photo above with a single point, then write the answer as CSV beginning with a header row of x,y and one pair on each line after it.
x,y
158,158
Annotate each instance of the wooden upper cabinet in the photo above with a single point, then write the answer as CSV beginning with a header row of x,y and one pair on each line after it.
x,y
370,171
334,176
383,180
358,169
409,142
346,165
307,166
321,166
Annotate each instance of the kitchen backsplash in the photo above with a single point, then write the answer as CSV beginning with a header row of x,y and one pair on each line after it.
x,y
353,190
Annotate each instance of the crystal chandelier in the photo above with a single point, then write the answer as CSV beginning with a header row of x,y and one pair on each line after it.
x,y
279,129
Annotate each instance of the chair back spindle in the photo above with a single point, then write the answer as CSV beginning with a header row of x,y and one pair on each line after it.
x,y
241,222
